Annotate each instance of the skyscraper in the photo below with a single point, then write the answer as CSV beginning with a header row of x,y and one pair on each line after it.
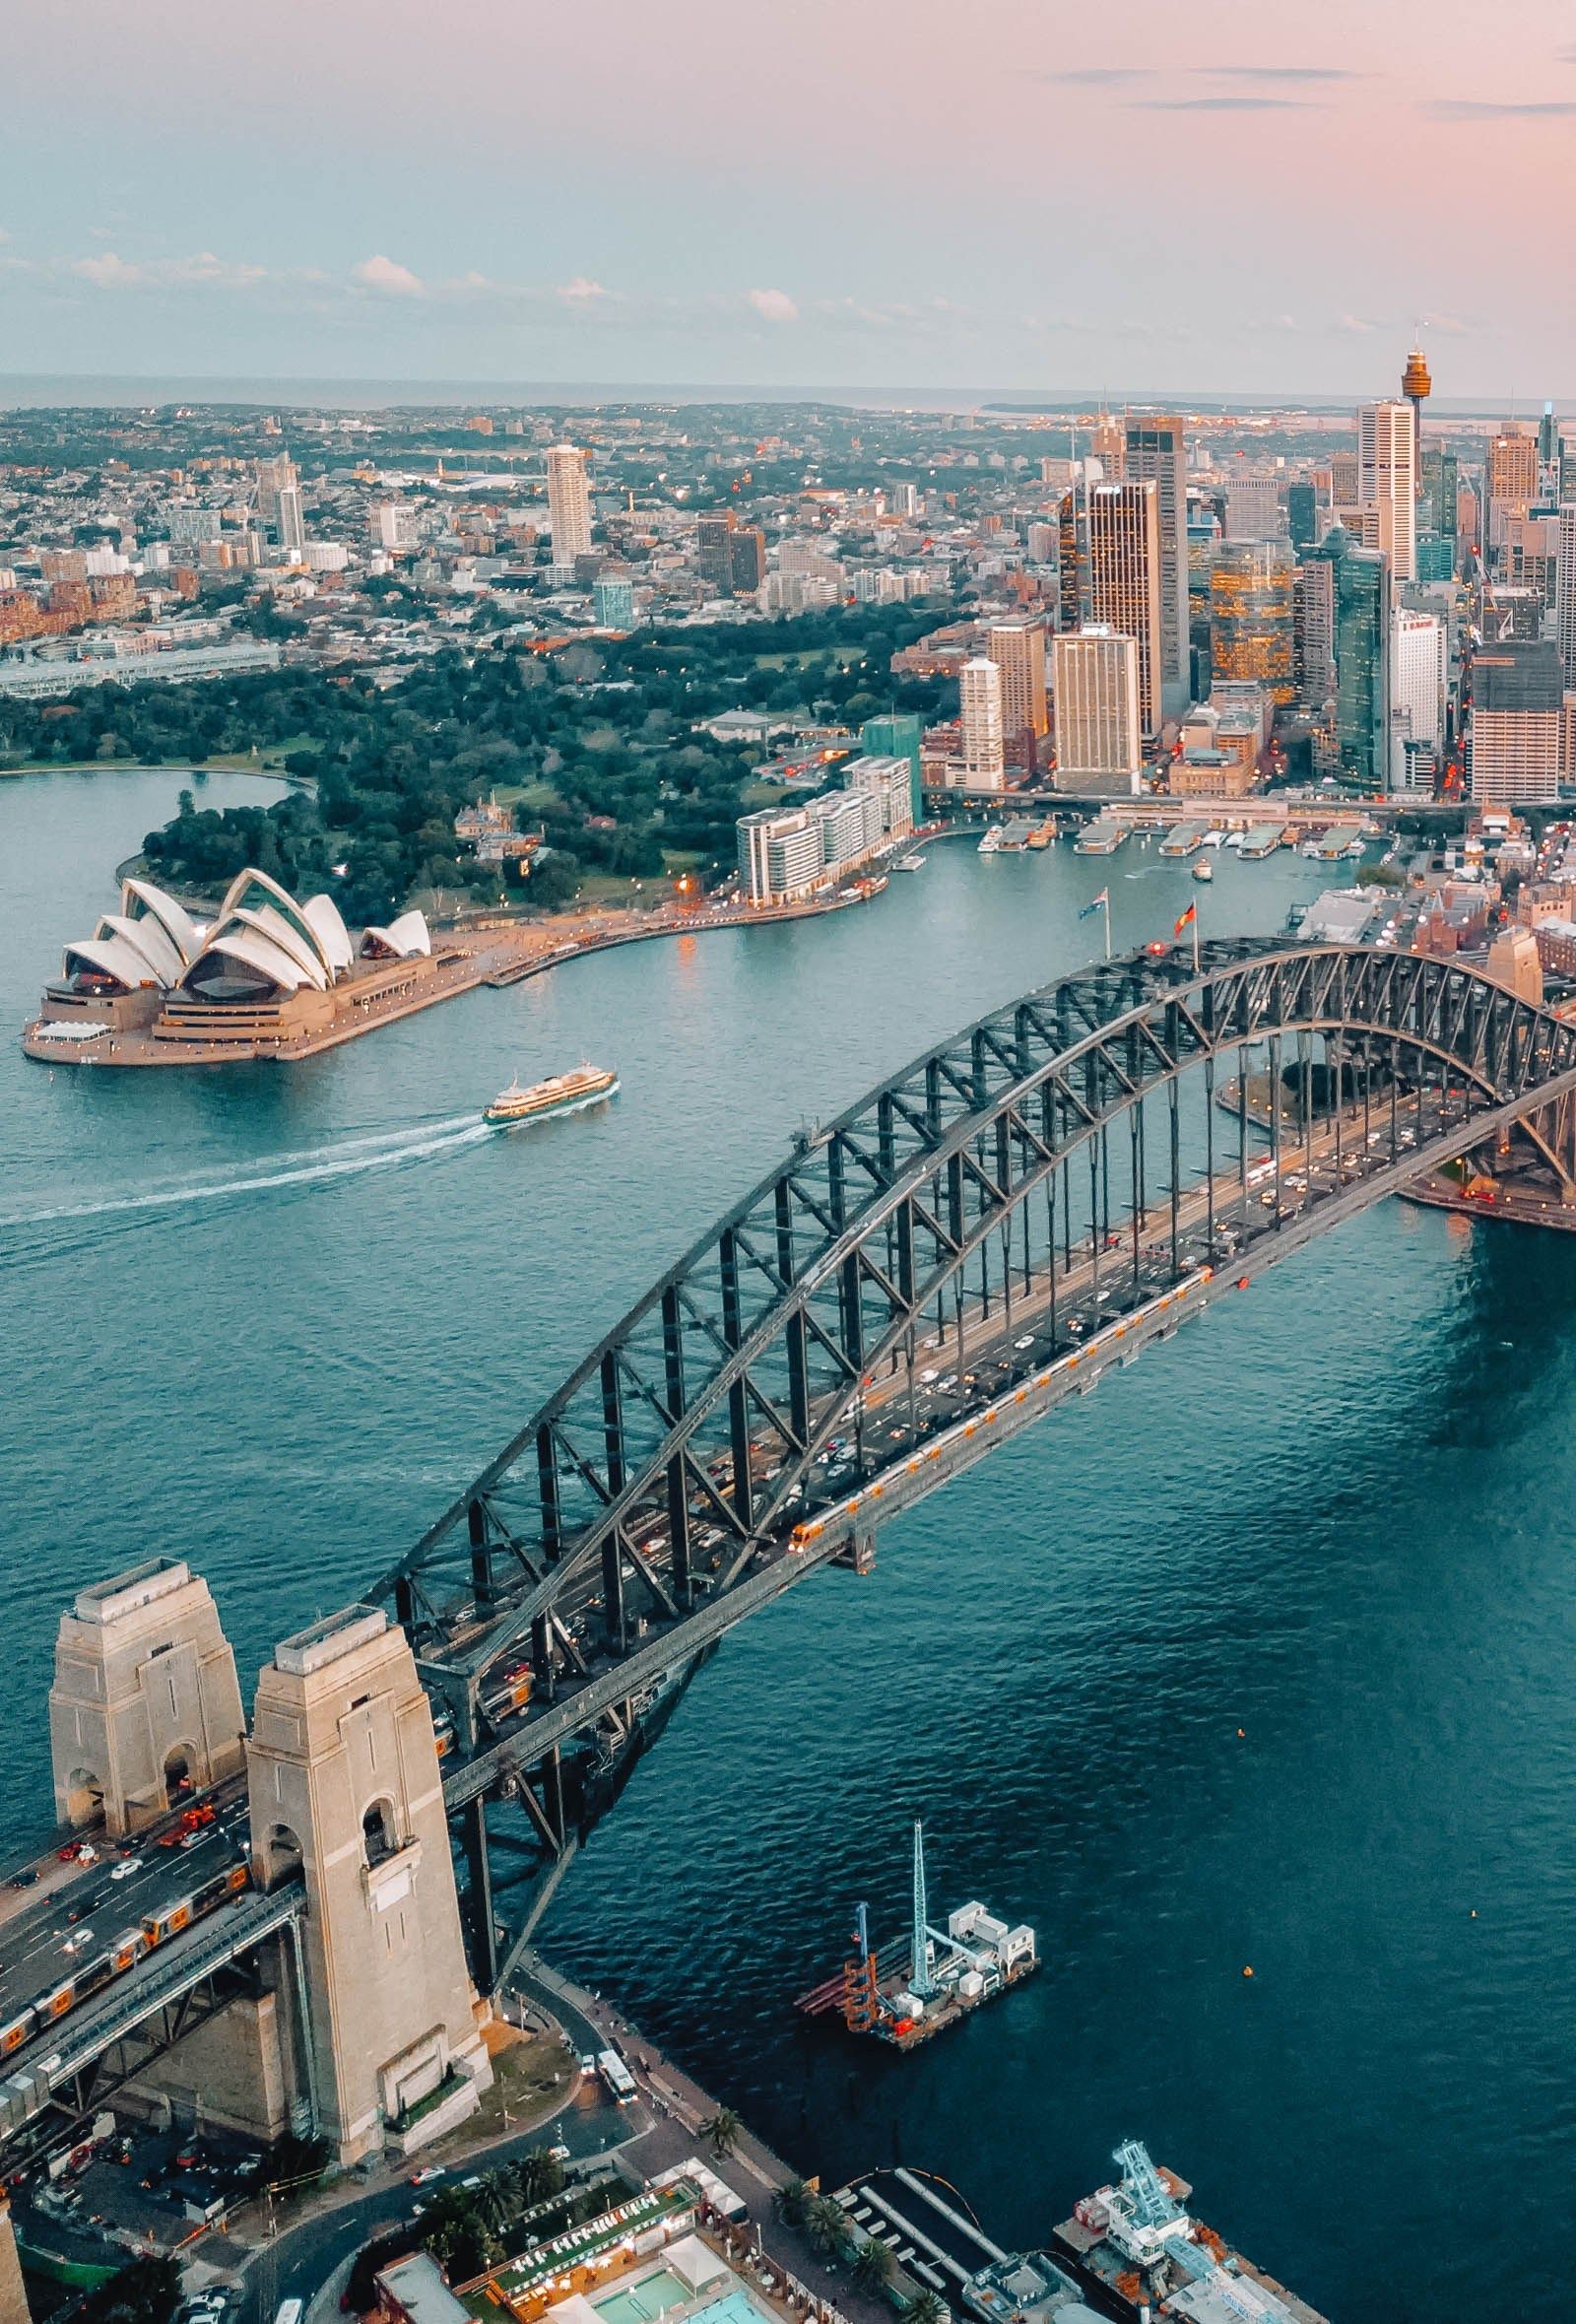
x,y
1387,480
1362,600
1549,455
568,504
1313,630
1250,614
1416,693
1515,720
1512,478
1125,579
1302,514
1099,740
1566,594
1017,648
1156,451
979,697
289,522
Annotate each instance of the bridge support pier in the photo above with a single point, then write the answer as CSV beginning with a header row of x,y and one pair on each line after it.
x,y
345,1790
146,1703
859,1553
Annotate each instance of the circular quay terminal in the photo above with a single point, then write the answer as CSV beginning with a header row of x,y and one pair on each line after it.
x,y
848,1601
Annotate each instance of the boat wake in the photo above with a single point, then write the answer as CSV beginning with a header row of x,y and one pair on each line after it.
x,y
308,1167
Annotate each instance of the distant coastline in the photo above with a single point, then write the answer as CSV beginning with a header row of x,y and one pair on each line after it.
x,y
58,392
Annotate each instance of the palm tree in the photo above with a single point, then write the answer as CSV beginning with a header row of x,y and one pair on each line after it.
x,y
722,2132
873,2265
926,2308
825,2225
793,2200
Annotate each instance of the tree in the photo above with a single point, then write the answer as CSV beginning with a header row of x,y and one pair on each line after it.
x,y
926,2308
722,2131
793,2200
825,2225
539,2176
873,2265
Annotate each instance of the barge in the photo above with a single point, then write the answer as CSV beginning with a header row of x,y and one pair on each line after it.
x,y
1139,2256
906,1993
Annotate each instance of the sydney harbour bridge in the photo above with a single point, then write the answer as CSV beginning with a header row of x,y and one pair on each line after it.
x,y
975,1241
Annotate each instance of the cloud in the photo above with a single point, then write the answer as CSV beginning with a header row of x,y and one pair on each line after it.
x,y
1356,323
581,286
387,276
1474,109
1277,73
774,305
1106,76
109,272
1220,105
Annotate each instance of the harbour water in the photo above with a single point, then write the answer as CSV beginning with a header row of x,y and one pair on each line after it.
x,y
268,1319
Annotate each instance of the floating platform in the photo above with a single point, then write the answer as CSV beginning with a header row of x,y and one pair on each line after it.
x,y
904,1993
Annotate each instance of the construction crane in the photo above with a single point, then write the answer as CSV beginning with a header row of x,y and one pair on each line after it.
x,y
921,1982
1151,2204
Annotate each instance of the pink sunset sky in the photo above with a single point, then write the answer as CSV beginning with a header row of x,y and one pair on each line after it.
x,y
993,193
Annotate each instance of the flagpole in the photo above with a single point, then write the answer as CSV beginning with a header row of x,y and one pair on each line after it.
x,y
1106,901
1195,936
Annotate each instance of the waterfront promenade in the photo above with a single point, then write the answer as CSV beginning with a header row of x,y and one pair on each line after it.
x,y
466,955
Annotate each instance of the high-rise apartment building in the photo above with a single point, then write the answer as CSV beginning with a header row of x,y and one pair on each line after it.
x,y
274,476
1125,579
568,504
1387,480
1517,697
899,734
1099,734
1251,615
979,695
613,603
1017,648
1156,451
290,524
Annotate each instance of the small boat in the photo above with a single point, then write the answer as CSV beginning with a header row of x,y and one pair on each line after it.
x,y
994,839
1204,871
564,1093
909,863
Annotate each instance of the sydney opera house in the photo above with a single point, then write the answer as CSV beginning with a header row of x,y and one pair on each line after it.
x,y
268,973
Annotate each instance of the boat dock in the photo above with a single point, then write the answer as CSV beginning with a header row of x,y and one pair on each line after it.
x,y
1262,839
1186,840
1104,836
904,1993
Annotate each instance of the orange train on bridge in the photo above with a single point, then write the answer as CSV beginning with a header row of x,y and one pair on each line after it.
x,y
130,1946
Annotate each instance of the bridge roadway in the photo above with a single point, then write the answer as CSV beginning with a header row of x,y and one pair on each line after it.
x,y
49,1933
874,1445
1106,1310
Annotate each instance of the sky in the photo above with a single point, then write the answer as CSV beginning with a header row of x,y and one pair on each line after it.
x,y
1219,197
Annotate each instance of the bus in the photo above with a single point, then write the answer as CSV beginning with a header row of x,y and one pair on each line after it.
x,y
288,2311
618,2077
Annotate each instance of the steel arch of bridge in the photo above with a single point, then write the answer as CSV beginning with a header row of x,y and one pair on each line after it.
x,y
671,1483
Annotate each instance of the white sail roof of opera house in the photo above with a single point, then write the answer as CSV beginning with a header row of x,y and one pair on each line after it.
x,y
403,938
250,949
141,899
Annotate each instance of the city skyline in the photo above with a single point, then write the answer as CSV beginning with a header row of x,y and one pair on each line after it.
x,y
711,202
